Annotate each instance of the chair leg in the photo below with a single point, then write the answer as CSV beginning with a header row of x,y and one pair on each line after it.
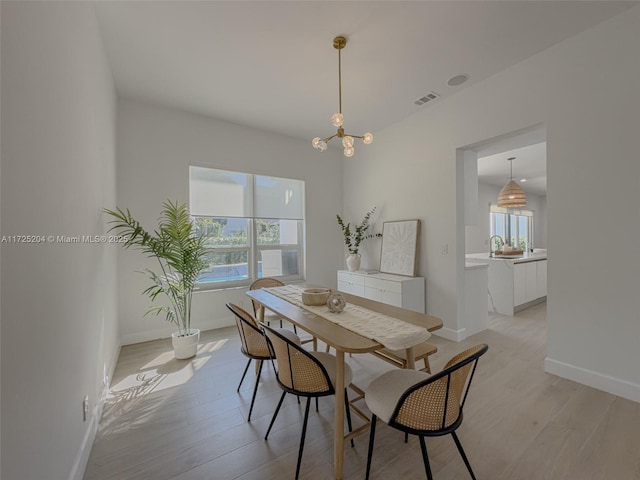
x,y
304,432
243,375
255,390
372,435
462,454
346,406
275,414
406,437
427,366
425,457
316,404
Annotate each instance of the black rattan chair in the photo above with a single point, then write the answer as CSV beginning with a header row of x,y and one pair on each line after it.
x,y
254,345
304,374
423,405
269,316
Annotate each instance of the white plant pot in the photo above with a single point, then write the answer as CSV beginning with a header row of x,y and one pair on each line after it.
x,y
185,346
353,262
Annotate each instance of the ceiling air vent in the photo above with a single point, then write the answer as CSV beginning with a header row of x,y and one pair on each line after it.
x,y
427,98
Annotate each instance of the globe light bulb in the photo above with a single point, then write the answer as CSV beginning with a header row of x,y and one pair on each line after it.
x,y
315,142
367,138
322,146
337,119
347,141
349,151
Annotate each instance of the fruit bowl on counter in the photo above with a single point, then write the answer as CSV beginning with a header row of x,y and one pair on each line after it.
x,y
508,252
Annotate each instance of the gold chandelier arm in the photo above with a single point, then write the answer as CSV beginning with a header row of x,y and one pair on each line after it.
x,y
328,139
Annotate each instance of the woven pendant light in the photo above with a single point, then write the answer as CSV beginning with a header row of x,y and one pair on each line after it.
x,y
511,195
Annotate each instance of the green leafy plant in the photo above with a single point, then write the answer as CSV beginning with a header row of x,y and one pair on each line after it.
x,y
353,239
179,252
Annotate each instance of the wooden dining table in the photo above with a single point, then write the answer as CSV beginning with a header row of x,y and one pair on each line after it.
x,y
343,341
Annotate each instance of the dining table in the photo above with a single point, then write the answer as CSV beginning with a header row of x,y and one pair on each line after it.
x,y
343,340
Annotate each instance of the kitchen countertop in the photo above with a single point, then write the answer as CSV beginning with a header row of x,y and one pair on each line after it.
x,y
525,257
474,265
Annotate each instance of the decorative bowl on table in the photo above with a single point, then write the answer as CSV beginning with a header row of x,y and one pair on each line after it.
x,y
315,297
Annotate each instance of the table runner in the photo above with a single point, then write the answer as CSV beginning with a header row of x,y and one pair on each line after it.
x,y
390,332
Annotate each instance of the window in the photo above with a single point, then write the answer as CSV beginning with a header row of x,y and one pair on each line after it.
x,y
515,227
254,226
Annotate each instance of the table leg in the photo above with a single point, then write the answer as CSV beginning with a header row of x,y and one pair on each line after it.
x,y
411,359
338,440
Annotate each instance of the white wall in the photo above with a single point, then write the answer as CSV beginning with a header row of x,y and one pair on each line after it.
x,y
477,236
156,145
59,327
0,283
585,91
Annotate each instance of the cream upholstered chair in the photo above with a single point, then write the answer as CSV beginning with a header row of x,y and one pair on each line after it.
x,y
305,374
254,344
423,405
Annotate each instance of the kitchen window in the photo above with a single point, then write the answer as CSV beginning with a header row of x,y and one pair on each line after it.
x,y
254,225
515,227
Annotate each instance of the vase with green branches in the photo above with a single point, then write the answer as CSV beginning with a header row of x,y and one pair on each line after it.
x,y
354,237
180,255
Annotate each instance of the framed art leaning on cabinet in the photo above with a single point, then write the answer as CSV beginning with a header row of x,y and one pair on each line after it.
x,y
399,253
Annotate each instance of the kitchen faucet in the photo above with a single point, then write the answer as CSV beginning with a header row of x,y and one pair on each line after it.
x,y
499,243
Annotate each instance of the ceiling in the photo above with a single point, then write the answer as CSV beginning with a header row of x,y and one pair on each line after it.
x,y
271,65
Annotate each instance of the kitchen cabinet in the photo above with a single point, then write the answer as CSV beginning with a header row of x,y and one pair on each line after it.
x,y
529,281
404,292
541,279
514,283
520,284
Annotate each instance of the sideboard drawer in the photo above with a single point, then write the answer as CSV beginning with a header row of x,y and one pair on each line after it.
x,y
403,292
384,285
352,288
350,278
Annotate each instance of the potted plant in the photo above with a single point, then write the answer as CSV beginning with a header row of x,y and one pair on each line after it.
x,y
180,255
353,239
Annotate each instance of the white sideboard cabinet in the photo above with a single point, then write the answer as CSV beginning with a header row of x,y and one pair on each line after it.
x,y
404,292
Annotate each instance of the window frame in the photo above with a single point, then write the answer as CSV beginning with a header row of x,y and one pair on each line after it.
x,y
508,221
252,248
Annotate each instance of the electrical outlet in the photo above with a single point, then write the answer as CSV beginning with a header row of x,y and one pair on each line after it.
x,y
85,408
445,249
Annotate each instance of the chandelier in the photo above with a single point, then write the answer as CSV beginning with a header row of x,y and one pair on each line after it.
x,y
337,118
512,195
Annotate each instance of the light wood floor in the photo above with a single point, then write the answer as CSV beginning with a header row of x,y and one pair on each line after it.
x,y
183,420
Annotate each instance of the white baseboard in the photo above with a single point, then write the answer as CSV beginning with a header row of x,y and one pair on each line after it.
x,y
80,465
606,383
165,332
451,334
112,366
